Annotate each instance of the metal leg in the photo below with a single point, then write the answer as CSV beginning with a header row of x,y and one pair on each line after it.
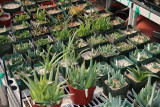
x,y
131,11
108,3
134,23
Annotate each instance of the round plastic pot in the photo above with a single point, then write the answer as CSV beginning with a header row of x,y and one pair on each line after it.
x,y
118,92
79,97
2,1
11,11
7,21
37,105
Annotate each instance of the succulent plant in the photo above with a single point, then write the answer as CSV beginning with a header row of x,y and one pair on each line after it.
x,y
153,48
4,39
96,39
57,47
139,55
148,96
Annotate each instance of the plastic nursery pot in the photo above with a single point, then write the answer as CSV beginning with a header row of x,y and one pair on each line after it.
x,y
36,23
91,9
139,62
153,53
116,92
48,5
44,29
150,61
114,41
37,105
139,45
121,57
5,19
42,1
3,30
12,9
137,86
79,96
130,31
117,22
28,4
6,48
20,32
18,14
27,27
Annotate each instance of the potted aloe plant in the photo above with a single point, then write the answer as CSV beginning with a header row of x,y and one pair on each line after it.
x,y
76,10
96,40
82,83
101,24
40,31
45,92
115,36
153,49
57,26
21,35
115,102
74,23
32,9
39,18
125,46
153,65
148,96
24,25
121,62
3,30
5,45
84,30
33,56
138,77
139,39
102,69
21,16
129,30
107,51
117,22
116,85
139,56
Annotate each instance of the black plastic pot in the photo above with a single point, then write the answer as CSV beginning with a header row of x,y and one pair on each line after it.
x,y
141,45
11,11
116,92
137,86
28,19
6,48
114,41
122,22
19,33
20,23
42,34
5,32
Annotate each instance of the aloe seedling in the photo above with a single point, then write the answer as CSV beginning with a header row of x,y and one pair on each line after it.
x,y
139,55
42,41
4,39
97,39
21,17
33,54
45,92
154,48
148,96
114,102
116,35
139,74
25,69
21,46
138,39
22,35
107,50
57,47
122,46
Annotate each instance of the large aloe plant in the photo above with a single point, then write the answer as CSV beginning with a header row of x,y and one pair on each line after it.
x,y
44,92
82,78
148,96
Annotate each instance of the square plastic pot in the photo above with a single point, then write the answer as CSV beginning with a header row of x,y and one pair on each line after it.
x,y
5,32
122,22
48,3
20,23
7,21
18,14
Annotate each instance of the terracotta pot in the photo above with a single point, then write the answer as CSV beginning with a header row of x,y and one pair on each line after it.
x,y
79,97
37,105
7,21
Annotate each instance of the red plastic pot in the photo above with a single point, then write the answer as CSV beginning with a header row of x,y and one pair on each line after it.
x,y
36,105
17,13
79,97
7,20
48,3
2,1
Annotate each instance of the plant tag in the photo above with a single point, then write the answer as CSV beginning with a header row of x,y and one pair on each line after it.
x,y
86,93
116,63
149,47
138,58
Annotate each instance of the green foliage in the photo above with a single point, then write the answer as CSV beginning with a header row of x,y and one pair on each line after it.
x,y
25,24
117,80
139,74
21,17
139,55
122,46
101,24
22,35
42,41
57,47
16,60
107,50
84,30
34,54
4,39
153,48
23,68
40,15
114,102
79,43
97,39
82,78
44,91
148,96
21,46
116,35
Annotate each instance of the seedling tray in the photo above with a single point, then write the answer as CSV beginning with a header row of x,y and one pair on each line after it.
x,y
114,41
139,62
120,57
139,45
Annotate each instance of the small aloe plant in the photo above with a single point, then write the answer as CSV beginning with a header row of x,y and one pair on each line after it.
x,y
114,102
139,55
117,80
153,48
148,96
97,39
56,48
